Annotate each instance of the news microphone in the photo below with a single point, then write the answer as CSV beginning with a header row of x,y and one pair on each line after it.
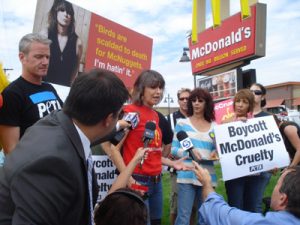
x,y
132,118
149,134
186,143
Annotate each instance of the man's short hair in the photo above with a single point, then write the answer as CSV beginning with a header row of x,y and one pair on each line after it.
x,y
95,95
290,186
25,42
182,90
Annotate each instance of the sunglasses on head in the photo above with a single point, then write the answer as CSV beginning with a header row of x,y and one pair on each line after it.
x,y
181,99
256,92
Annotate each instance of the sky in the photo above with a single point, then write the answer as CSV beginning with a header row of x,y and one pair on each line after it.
x,y
167,22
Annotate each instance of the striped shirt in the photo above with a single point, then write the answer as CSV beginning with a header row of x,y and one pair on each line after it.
x,y
202,143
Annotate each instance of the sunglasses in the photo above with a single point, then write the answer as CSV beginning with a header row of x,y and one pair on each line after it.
x,y
256,92
182,99
197,100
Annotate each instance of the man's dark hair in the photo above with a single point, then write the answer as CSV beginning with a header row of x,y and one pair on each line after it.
x,y
94,95
290,186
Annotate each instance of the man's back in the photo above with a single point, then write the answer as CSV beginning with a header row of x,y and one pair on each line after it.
x,y
33,187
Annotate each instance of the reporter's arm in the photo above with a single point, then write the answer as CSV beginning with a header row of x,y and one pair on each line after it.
x,y
125,175
205,179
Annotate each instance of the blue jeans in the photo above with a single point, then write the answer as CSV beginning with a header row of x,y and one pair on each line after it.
x,y
154,200
187,193
261,182
245,192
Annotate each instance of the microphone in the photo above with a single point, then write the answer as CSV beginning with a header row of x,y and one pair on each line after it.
x,y
133,119
149,134
186,143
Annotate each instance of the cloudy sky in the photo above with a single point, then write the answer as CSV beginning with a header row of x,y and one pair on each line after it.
x,y
167,22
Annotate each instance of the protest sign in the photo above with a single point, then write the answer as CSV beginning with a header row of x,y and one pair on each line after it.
x,y
224,110
105,172
95,42
250,147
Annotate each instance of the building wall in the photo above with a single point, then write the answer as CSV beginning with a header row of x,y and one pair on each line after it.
x,y
288,91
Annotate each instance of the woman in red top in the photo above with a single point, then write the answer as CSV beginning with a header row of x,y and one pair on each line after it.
x,y
147,92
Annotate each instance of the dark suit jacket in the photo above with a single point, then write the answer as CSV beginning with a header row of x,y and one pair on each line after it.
x,y
44,179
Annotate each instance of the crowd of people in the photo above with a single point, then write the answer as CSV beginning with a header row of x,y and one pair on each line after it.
x,y
48,176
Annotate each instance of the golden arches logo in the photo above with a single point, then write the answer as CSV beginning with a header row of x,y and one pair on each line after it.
x,y
198,9
156,140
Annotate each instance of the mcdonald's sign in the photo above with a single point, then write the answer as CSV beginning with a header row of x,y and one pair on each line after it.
x,y
237,39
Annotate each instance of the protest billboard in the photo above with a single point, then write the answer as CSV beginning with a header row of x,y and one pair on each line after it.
x,y
105,172
247,148
92,42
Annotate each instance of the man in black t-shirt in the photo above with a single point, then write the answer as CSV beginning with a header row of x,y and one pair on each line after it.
x,y
28,98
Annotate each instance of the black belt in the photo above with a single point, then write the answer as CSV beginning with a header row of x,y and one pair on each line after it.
x,y
145,178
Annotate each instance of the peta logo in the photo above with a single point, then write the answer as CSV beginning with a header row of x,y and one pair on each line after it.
x,y
256,168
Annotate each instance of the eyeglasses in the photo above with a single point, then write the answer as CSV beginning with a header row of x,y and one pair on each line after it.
x,y
182,99
256,92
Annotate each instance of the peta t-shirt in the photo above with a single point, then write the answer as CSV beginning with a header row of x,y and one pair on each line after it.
x,y
25,103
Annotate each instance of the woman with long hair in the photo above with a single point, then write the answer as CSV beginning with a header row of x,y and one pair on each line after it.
x,y
66,47
198,126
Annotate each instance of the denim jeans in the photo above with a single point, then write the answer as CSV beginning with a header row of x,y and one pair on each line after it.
x,y
261,181
187,193
245,192
154,200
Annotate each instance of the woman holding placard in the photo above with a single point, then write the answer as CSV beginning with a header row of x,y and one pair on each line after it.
x,y
241,192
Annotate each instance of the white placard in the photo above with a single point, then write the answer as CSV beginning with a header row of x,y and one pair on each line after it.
x,y
250,147
105,172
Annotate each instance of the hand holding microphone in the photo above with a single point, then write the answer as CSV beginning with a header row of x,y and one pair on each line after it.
x,y
131,118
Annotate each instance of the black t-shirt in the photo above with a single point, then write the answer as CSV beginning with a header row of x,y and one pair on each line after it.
x,y
289,147
262,113
167,134
173,117
25,103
